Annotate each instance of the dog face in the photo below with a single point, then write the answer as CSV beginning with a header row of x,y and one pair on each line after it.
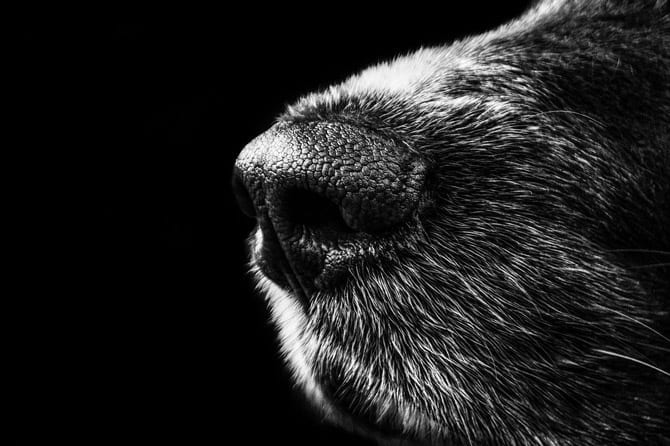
x,y
470,244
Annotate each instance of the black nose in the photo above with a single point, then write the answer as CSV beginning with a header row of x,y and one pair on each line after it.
x,y
322,189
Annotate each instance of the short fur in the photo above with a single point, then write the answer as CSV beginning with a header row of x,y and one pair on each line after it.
x,y
527,301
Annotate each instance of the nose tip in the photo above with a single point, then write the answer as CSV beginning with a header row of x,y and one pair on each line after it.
x,y
316,183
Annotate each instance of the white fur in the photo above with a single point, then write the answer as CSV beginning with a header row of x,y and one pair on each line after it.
x,y
299,344
291,322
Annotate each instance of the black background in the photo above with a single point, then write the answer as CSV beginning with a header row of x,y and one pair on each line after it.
x,y
132,320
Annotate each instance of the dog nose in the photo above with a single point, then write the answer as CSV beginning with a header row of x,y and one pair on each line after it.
x,y
315,186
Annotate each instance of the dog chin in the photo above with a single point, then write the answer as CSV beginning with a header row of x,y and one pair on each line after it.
x,y
298,347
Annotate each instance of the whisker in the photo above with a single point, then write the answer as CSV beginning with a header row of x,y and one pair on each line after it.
x,y
624,315
637,361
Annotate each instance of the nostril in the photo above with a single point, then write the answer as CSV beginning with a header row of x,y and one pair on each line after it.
x,y
309,209
244,200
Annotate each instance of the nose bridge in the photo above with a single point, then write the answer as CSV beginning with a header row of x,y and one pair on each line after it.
x,y
373,181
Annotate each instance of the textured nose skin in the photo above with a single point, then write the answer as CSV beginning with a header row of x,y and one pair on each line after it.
x,y
318,183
